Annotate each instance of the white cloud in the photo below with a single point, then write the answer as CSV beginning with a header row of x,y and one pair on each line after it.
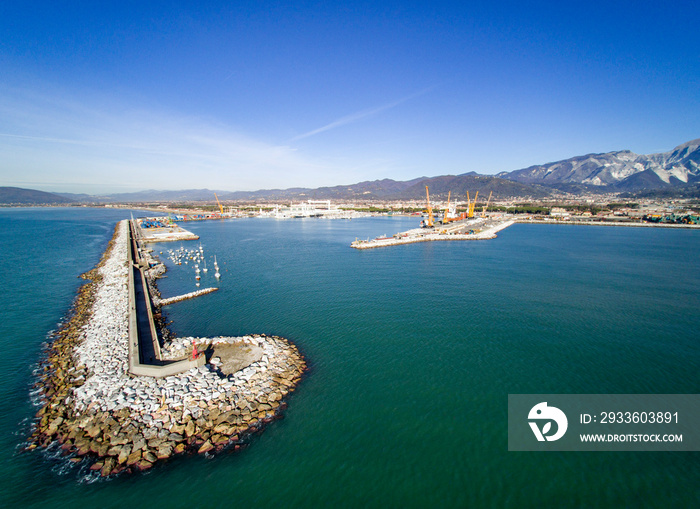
x,y
52,139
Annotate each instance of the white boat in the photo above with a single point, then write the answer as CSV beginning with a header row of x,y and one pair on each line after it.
x,y
205,266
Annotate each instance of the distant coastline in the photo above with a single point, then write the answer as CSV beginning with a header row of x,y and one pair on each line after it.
x,y
608,223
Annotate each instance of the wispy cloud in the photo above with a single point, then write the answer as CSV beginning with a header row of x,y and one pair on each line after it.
x,y
356,117
50,139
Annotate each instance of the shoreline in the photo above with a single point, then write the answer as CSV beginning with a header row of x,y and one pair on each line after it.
x,y
610,223
101,415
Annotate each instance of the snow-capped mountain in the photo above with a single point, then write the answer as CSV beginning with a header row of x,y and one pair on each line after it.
x,y
623,170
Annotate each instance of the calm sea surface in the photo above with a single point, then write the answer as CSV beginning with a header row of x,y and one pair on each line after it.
x,y
413,351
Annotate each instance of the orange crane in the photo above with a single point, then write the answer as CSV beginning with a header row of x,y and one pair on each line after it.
x,y
471,204
483,212
217,201
431,220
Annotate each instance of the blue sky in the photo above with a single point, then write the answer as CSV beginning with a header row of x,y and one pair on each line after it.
x,y
255,95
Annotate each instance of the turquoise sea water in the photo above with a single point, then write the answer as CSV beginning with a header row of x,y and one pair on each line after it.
x,y
413,351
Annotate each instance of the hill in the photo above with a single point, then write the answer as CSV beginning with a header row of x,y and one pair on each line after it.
x,y
20,196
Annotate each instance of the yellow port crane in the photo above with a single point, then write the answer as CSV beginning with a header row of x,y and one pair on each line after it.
x,y
219,203
471,204
431,220
483,212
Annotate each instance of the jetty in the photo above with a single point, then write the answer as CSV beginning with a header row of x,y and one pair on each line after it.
x,y
186,296
468,229
118,404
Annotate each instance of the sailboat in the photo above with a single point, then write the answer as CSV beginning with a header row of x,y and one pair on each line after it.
x,y
205,266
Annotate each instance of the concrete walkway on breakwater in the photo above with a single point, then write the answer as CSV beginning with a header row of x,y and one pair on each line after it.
x,y
102,414
448,232
145,357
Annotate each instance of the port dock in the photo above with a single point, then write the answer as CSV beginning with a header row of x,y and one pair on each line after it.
x,y
466,229
161,229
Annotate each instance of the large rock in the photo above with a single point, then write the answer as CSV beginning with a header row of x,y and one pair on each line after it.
x,y
149,456
164,451
108,467
139,442
134,457
206,447
124,454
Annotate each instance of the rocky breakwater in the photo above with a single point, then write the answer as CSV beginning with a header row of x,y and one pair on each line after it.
x,y
115,422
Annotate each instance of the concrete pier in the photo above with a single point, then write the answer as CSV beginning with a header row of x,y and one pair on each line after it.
x,y
180,298
475,229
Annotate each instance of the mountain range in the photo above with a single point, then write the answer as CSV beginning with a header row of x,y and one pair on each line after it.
x,y
618,171
673,173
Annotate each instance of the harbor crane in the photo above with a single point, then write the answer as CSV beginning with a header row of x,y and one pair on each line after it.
x,y
430,222
483,212
471,204
219,203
